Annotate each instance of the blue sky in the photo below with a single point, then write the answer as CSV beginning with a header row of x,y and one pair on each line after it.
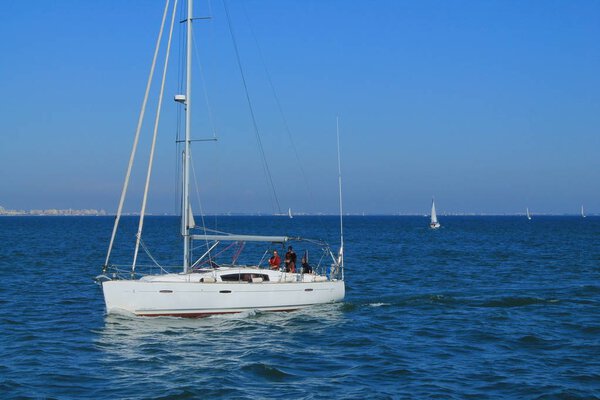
x,y
490,106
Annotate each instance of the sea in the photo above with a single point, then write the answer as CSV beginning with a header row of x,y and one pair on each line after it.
x,y
483,308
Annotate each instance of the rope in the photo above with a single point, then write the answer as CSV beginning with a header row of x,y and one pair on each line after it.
x,y
136,139
218,254
241,246
150,255
320,261
263,257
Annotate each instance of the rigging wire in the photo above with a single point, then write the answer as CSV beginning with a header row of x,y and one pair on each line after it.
x,y
217,181
150,255
208,107
200,205
281,113
255,125
154,135
136,138
340,261
212,124
210,115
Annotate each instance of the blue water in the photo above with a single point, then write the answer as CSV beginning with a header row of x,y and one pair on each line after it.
x,y
485,307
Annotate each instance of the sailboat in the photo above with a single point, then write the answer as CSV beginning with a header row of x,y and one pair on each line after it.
x,y
206,284
582,213
290,213
434,224
527,213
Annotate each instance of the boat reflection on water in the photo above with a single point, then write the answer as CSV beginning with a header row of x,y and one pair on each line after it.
x,y
219,341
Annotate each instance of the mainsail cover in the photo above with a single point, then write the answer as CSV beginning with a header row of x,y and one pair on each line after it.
x,y
241,238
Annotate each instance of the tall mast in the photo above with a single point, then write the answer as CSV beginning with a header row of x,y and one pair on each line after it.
x,y
186,154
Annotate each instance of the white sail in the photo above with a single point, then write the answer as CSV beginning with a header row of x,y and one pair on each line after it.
x,y
290,213
582,213
434,224
528,215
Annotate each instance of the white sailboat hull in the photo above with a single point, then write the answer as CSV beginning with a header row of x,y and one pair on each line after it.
x,y
204,287
199,299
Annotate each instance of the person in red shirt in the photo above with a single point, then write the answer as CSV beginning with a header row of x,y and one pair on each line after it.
x,y
275,260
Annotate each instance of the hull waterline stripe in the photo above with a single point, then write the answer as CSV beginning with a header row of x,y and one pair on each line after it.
x,y
208,314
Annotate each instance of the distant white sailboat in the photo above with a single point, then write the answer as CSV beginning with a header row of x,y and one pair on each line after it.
x,y
528,215
290,213
582,213
434,224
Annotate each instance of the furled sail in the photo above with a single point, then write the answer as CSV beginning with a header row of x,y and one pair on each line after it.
x,y
191,221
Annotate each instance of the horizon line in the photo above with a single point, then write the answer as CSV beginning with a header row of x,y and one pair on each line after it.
x,y
239,214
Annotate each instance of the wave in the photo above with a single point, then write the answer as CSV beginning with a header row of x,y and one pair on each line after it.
x,y
454,300
267,372
240,315
379,304
532,340
510,301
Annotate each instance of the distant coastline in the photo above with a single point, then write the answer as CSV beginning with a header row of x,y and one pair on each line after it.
x,y
52,212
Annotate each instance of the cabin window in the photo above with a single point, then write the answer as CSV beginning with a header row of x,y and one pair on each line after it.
x,y
243,277
230,278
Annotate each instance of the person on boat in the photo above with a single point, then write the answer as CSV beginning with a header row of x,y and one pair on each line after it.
x,y
306,268
290,260
290,266
275,260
